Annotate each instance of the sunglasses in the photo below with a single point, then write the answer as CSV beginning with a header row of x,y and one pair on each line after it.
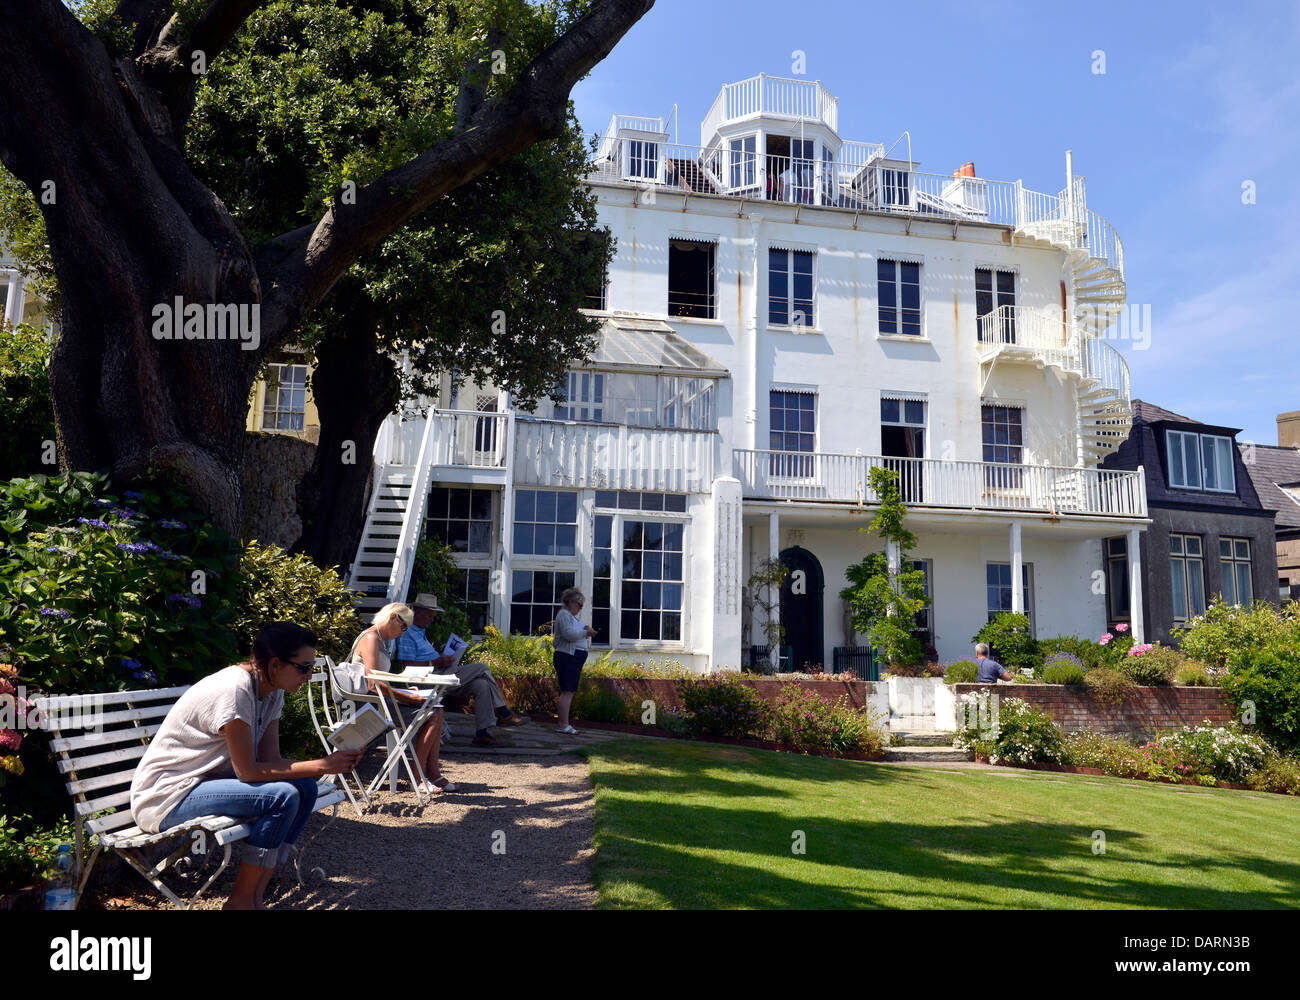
x,y
303,668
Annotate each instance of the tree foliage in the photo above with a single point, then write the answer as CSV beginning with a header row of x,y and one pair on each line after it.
x,y
885,606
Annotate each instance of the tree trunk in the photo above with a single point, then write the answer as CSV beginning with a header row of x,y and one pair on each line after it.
x,y
355,387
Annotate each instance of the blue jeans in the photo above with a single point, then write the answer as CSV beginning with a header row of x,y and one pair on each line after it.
x,y
279,809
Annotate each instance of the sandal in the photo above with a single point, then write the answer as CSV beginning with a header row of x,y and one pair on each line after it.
x,y
426,788
567,731
444,785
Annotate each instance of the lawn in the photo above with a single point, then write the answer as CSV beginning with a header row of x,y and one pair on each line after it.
x,y
695,825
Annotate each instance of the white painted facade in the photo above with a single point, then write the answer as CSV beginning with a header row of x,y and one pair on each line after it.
x,y
1047,508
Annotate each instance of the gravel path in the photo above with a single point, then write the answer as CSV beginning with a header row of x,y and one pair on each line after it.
x,y
516,834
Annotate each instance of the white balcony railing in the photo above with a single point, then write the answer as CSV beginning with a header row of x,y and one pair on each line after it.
x,y
857,181
468,438
1045,337
777,96
925,482
601,456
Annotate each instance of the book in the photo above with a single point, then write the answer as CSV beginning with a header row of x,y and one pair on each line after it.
x,y
360,731
455,648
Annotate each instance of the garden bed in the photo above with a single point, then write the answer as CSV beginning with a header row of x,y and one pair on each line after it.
x,y
1098,772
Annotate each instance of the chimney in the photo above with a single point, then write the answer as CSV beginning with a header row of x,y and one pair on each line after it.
x,y
965,170
1288,429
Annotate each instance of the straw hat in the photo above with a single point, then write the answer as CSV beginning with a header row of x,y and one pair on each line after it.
x,y
426,601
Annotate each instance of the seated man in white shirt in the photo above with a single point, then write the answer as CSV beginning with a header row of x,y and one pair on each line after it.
x,y
476,681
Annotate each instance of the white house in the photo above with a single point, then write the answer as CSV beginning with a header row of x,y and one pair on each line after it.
x,y
786,310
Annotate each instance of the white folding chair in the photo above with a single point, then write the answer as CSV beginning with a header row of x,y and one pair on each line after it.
x,y
407,733
318,689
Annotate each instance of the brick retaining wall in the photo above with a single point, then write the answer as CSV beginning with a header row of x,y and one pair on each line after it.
x,y
1144,710
664,692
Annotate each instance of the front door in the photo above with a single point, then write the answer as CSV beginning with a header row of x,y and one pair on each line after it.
x,y
801,609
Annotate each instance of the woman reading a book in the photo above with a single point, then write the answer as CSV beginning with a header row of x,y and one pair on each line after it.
x,y
371,649
218,753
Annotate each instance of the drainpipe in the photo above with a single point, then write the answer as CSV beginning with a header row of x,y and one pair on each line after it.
x,y
774,553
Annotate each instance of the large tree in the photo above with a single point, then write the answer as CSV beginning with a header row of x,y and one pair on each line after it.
x,y
94,124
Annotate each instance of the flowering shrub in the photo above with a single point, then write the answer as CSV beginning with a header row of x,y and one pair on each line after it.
x,y
720,705
1149,664
1112,754
85,581
1225,753
1063,668
1277,774
804,720
1225,631
12,712
961,672
1086,651
1008,730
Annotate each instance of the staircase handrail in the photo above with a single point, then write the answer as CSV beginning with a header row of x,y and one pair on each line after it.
x,y
399,581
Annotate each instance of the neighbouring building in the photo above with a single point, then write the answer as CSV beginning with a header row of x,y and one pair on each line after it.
x,y
1275,471
1210,535
787,310
21,304
281,401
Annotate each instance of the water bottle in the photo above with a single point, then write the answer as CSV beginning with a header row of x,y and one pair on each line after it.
x,y
60,893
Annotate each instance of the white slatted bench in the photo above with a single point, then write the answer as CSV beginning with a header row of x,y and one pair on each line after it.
x,y
99,740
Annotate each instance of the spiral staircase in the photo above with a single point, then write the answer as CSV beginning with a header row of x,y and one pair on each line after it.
x,y
1075,346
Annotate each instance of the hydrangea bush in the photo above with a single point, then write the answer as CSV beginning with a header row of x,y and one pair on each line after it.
x,y
100,592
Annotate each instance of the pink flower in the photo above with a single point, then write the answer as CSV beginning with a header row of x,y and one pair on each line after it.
x,y
1121,628
10,740
1105,638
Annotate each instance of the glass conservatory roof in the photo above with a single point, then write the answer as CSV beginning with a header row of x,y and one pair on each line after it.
x,y
651,345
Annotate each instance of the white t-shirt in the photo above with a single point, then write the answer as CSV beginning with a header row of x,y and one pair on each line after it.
x,y
190,746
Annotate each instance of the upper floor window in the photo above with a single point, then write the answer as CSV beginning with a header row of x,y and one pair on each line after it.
x,y
546,522
597,295
1187,576
642,159
584,397
898,284
285,407
691,279
743,161
790,288
1234,567
678,402
1200,461
460,517
792,419
1002,430
993,290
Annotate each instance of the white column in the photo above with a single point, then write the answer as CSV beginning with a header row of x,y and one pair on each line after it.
x,y
1135,586
14,299
893,560
774,553
1017,571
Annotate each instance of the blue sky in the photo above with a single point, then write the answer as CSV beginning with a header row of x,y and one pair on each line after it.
x,y
1196,99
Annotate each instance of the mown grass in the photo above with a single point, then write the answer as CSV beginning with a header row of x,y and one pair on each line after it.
x,y
693,825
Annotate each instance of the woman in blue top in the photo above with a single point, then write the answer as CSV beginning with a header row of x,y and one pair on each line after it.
x,y
571,638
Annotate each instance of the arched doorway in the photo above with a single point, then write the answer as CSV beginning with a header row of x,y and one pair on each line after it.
x,y
801,607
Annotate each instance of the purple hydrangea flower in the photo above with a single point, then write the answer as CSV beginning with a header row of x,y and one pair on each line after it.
x,y
94,522
174,525
56,613
133,496
138,548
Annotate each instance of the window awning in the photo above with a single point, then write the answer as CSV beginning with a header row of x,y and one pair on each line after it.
x,y
651,346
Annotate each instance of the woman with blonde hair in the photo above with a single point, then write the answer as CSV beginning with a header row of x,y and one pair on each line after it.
x,y
371,649
570,654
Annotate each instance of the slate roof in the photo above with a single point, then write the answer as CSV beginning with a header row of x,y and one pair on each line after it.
x,y
1272,466
1149,413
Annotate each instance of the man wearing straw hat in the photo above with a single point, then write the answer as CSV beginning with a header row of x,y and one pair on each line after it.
x,y
477,682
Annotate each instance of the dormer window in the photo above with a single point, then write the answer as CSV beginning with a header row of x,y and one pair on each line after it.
x,y
642,160
1200,462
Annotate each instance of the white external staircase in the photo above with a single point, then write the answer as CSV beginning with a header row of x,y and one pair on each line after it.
x,y
1095,256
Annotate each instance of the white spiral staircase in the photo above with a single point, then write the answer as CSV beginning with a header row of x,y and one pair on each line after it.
x,y
1076,347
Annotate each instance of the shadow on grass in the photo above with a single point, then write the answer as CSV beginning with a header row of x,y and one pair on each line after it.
x,y
676,829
